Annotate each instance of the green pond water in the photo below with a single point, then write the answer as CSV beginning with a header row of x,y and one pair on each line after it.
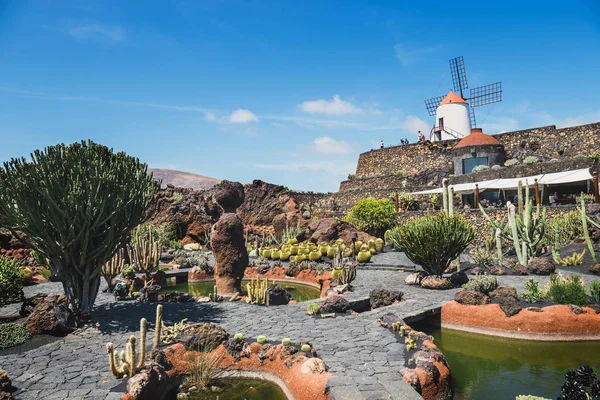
x,y
490,368
298,291
242,389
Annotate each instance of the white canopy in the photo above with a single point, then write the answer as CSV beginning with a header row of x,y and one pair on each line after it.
x,y
577,175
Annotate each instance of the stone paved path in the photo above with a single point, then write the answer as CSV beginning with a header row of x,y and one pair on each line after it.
x,y
364,358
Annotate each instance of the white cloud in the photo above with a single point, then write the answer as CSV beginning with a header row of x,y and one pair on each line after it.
x,y
97,31
241,116
210,116
336,106
414,124
409,57
327,144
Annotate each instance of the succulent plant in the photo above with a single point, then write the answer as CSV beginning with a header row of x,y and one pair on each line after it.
x,y
312,309
286,341
262,339
364,256
306,348
238,336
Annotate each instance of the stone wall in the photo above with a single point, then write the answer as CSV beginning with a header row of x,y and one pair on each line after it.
x,y
545,143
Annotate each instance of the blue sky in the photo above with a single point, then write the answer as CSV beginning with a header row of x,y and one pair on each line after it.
x,y
285,91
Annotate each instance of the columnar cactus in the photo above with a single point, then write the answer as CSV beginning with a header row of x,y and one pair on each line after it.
x,y
144,252
128,361
257,291
113,268
586,234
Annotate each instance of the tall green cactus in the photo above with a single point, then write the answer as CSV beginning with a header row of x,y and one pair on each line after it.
x,y
144,251
526,229
126,362
76,205
586,233
113,268
500,254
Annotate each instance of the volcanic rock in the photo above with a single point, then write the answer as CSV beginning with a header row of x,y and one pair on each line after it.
x,y
471,297
278,296
459,278
52,316
541,266
150,294
335,304
384,297
415,278
436,283
595,269
206,337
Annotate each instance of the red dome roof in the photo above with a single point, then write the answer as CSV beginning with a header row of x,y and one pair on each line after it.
x,y
477,138
452,97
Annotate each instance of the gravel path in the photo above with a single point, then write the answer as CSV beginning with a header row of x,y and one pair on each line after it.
x,y
364,358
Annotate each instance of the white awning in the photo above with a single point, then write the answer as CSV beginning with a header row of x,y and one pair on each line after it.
x,y
577,175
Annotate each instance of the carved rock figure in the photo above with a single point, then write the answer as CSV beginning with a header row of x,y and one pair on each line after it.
x,y
227,240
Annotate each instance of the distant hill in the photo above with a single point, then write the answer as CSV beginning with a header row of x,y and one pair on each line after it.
x,y
183,179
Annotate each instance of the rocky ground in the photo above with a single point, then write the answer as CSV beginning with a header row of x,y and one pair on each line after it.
x,y
363,357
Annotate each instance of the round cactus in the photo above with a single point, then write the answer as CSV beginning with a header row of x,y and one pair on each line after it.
x,y
306,348
337,273
314,255
331,251
262,339
347,252
286,341
238,336
323,249
364,256
275,254
294,249
379,244
300,258
266,253
284,256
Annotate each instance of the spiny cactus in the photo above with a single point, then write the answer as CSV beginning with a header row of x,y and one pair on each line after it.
x,y
257,291
262,339
306,348
238,336
144,252
113,268
286,341
126,362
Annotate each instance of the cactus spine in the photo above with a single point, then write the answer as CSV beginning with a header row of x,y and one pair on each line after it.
x,y
257,291
143,252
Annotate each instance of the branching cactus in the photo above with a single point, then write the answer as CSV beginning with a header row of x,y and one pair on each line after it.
x,y
126,362
526,229
144,252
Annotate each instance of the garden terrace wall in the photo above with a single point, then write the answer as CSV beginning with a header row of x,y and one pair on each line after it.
x,y
545,143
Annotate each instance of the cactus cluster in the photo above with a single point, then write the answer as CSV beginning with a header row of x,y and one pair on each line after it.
x,y
575,259
214,295
256,291
526,227
113,268
144,251
126,362
410,343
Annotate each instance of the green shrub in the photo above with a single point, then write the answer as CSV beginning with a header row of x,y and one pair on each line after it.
x,y
532,292
433,241
484,284
11,282
407,201
372,216
569,290
26,275
175,244
128,272
13,335
595,290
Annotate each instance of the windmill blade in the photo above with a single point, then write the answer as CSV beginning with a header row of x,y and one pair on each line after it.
x,y
433,103
482,95
459,74
472,116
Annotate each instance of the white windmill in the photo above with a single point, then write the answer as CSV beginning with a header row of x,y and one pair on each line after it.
x,y
454,114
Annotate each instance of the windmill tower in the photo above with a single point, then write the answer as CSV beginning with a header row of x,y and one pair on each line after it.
x,y
454,114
